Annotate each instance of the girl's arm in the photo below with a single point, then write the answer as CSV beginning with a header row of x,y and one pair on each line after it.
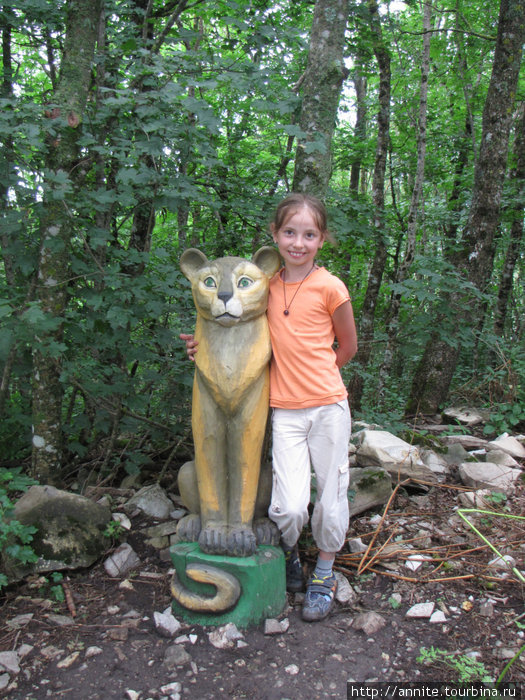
x,y
345,332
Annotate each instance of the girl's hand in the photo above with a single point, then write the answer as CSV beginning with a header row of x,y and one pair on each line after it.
x,y
191,345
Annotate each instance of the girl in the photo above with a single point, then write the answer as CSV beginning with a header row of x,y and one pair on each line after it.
x,y
308,309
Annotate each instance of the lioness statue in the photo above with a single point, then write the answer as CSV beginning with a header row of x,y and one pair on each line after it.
x,y
230,402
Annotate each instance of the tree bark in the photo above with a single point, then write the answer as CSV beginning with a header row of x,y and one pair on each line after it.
x,y
366,324
413,213
322,85
516,231
436,369
56,230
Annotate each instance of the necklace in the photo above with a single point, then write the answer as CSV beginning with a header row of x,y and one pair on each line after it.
x,y
287,306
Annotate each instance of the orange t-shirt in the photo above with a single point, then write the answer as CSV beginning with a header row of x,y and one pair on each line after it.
x,y
303,369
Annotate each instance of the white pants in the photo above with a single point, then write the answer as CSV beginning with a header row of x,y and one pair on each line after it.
x,y
303,439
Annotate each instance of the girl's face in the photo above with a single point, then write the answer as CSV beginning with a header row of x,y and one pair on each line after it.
x,y
298,240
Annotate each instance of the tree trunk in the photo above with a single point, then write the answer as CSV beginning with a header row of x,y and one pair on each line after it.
x,y
404,268
434,374
366,324
516,231
360,85
322,85
56,230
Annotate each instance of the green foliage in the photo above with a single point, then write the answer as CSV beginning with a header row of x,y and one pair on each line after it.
x,y
465,669
15,538
189,138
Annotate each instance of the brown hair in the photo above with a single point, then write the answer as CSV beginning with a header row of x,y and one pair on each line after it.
x,y
295,201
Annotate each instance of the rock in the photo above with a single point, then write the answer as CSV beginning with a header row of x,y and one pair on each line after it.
x,y
475,499
504,563
508,444
435,462
153,501
61,620
93,651
455,454
369,622
69,660
292,669
121,561
171,688
356,545
420,610
272,626
16,623
480,475
70,531
369,487
10,662
468,442
225,637
4,681
414,561
379,448
437,616
176,655
466,416
504,459
122,519
345,593
166,624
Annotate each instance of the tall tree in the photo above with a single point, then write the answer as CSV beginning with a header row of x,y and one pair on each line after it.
x,y
437,366
57,226
368,309
516,230
322,85
415,202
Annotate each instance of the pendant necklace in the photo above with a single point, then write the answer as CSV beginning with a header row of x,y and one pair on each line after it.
x,y
287,306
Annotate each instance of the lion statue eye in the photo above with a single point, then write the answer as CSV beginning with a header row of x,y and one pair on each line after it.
x,y
244,282
210,282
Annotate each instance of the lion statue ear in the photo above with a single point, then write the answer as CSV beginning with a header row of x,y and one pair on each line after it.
x,y
192,260
268,260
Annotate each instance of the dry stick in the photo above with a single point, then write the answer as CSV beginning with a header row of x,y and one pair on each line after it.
x,y
362,566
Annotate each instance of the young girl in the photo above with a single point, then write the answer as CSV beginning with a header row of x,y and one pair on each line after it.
x,y
308,309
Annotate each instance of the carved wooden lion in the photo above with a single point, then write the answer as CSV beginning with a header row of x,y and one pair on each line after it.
x,y
230,401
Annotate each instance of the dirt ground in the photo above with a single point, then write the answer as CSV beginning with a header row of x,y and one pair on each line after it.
x,y
110,648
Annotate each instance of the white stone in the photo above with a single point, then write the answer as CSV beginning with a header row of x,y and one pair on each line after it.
x,y
370,622
16,623
272,626
438,616
24,649
356,545
166,624
153,501
421,610
93,651
414,561
475,499
225,637
292,669
10,662
121,561
505,562
485,475
122,519
171,688
508,444
381,448
4,680
345,593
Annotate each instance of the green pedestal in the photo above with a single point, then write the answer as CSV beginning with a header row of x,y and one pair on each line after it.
x,y
261,577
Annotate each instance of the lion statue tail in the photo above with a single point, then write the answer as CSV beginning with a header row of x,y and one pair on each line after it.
x,y
228,589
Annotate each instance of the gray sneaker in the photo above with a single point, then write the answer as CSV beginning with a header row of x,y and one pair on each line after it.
x,y
319,598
